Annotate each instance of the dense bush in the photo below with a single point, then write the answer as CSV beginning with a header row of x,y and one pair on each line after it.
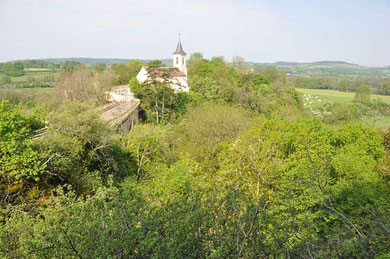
x,y
231,170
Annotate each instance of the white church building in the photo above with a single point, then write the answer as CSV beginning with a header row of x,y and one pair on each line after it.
x,y
176,76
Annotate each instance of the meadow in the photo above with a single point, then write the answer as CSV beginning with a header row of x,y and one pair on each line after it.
x,y
342,97
38,75
317,99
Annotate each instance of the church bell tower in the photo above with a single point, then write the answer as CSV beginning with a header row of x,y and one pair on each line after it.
x,y
179,58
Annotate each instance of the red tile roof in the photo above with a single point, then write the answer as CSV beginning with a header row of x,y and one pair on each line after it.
x,y
167,72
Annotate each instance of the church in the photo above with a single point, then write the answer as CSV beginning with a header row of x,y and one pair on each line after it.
x,y
175,76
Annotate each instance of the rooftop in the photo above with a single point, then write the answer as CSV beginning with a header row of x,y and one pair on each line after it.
x,y
165,72
179,49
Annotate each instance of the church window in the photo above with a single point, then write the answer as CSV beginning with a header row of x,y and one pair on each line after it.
x,y
177,60
183,60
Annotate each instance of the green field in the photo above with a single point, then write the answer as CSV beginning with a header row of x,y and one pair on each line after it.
x,y
342,97
36,75
317,99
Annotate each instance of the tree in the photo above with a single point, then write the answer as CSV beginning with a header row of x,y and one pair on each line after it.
x,y
363,94
156,63
80,85
5,80
345,85
80,148
196,56
145,144
71,66
338,112
19,162
239,63
13,69
126,72
100,67
157,97
134,67
205,128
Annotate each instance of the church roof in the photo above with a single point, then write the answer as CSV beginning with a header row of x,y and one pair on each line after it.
x,y
164,71
179,49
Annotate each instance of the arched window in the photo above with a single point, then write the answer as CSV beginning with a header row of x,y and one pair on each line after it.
x,y
177,60
183,60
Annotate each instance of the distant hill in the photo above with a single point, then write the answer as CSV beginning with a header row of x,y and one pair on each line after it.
x,y
327,68
313,69
93,61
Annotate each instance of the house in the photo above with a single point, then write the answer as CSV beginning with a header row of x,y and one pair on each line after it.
x,y
175,76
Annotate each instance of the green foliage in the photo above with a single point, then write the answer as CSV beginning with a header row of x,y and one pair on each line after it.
x,y
210,179
156,63
81,86
339,112
127,72
5,80
196,56
308,174
12,69
145,145
100,67
79,144
30,79
282,189
264,91
19,162
157,99
379,85
204,130
363,94
71,65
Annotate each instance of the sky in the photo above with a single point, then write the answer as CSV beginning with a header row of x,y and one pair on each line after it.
x,y
355,31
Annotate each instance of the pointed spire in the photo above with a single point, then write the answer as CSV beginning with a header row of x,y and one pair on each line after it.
x,y
179,49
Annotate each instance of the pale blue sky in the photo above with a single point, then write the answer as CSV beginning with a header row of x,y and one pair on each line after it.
x,y
355,31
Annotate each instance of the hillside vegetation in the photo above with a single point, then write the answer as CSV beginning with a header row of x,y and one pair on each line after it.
x,y
238,167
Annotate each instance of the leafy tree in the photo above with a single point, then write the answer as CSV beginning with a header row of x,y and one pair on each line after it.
x,y
19,162
80,85
205,129
13,69
80,146
100,67
338,112
363,94
134,67
196,56
239,63
156,63
71,66
5,80
145,144
126,72
157,97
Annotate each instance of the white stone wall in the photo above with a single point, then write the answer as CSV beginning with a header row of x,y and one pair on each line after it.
x,y
180,62
142,75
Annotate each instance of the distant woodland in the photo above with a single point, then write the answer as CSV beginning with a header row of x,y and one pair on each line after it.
x,y
242,166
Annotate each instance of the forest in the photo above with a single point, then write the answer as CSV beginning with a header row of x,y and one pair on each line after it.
x,y
237,167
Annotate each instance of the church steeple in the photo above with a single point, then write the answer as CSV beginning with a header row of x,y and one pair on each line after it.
x,y
179,58
179,49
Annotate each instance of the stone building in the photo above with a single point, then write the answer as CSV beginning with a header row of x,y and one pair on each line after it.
x,y
175,76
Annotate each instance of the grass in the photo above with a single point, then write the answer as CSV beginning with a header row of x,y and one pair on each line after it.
x,y
317,99
36,75
342,97
381,122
